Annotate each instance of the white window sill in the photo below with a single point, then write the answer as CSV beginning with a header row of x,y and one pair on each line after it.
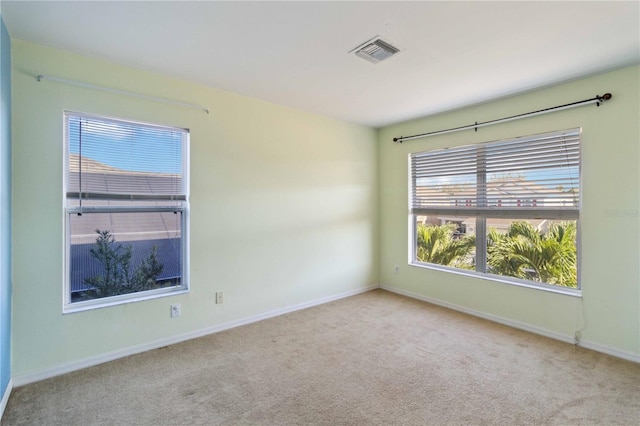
x,y
70,308
575,292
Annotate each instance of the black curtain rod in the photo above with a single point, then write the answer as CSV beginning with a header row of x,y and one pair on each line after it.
x,y
597,100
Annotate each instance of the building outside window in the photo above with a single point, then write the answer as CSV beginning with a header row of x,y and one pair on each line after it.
x,y
506,210
126,203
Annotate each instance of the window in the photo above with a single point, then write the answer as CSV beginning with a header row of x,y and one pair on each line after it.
x,y
126,211
508,210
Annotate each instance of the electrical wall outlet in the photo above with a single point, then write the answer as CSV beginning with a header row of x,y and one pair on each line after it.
x,y
396,270
219,297
175,310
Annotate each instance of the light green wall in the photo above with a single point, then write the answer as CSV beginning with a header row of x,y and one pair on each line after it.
x,y
609,310
283,207
287,207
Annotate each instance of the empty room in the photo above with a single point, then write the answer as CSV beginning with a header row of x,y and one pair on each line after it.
x,y
319,213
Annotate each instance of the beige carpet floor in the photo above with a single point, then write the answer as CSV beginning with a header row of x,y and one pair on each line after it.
x,y
372,359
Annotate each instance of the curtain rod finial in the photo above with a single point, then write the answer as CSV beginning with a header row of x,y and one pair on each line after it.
x,y
607,96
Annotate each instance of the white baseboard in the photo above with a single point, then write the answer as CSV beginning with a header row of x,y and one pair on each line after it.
x,y
519,325
598,347
25,379
5,397
58,370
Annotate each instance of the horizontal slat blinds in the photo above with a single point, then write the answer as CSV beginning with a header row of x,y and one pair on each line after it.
x,y
517,177
118,160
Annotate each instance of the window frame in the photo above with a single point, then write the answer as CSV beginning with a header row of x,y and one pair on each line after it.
x,y
481,218
68,210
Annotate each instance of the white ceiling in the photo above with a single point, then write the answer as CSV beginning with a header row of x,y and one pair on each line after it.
x,y
296,53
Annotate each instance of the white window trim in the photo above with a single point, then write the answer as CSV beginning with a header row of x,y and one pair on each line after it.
x,y
67,306
483,216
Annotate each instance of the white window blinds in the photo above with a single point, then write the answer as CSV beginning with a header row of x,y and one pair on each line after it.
x,y
519,177
119,160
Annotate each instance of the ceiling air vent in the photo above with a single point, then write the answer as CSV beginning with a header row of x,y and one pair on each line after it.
x,y
375,50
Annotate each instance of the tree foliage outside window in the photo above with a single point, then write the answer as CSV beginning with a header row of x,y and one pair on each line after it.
x,y
118,274
524,252
438,244
521,252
